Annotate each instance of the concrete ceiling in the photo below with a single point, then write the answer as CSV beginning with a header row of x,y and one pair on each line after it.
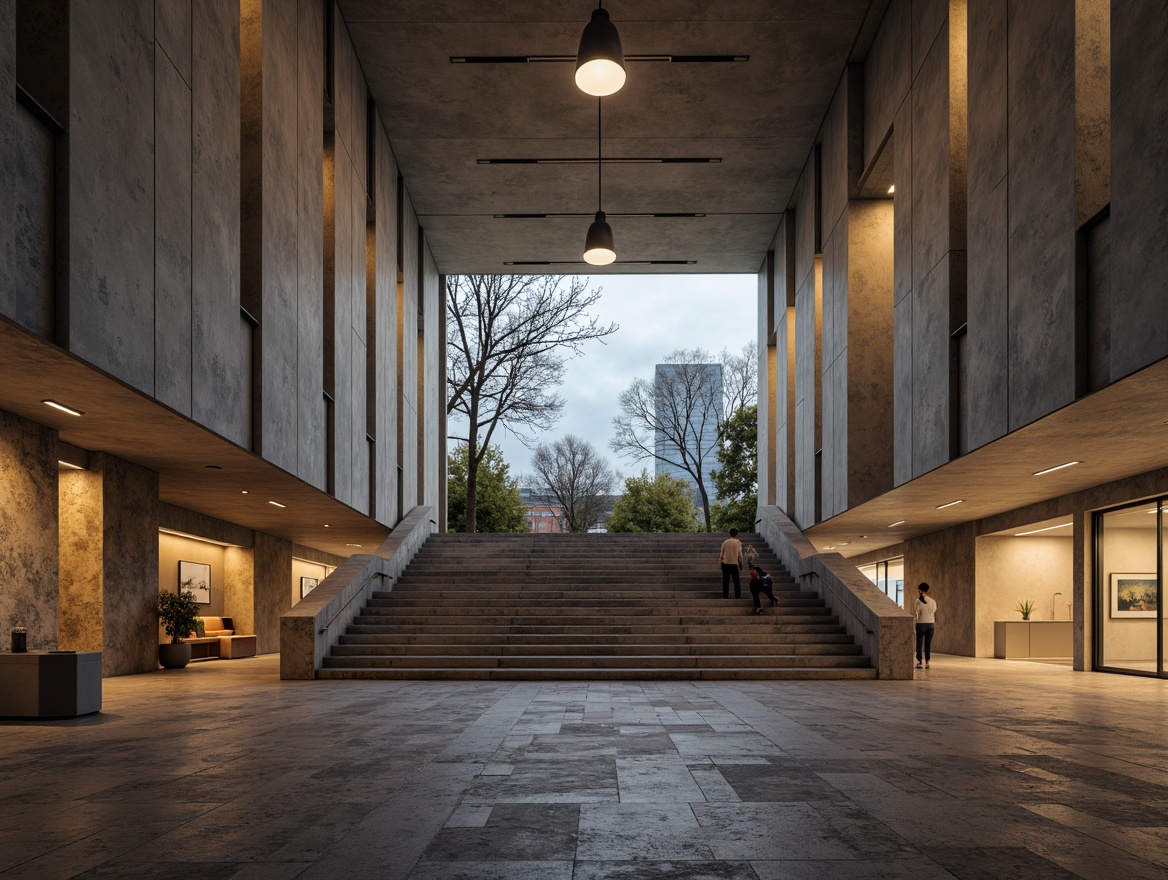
x,y
197,469
759,118
1118,432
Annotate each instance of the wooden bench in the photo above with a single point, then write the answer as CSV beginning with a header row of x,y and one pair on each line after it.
x,y
219,641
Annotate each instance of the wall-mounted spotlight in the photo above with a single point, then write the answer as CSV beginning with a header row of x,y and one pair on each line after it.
x,y
600,61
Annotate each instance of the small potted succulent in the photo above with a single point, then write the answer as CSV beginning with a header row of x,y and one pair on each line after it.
x,y
1025,608
177,612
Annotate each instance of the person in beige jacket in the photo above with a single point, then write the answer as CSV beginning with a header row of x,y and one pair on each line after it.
x,y
731,559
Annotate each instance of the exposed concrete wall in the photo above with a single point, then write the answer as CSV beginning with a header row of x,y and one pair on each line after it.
x,y
271,574
28,530
311,426
1139,179
173,204
80,587
1038,146
1011,570
219,337
111,189
808,351
946,560
385,331
1040,40
129,554
432,382
7,146
765,448
408,352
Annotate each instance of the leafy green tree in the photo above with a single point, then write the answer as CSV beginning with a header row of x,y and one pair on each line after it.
x,y
736,478
664,504
499,506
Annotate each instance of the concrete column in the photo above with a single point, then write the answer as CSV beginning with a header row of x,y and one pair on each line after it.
x,y
129,562
82,617
808,351
239,587
28,530
1139,179
271,596
385,336
7,142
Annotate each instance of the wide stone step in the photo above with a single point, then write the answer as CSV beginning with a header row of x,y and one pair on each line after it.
x,y
438,648
456,603
831,625
574,607
588,674
705,640
557,598
598,661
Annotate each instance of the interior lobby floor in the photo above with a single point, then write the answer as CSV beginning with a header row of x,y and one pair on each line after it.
x,y
976,769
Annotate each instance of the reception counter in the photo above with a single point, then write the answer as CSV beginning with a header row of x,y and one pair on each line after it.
x,y
1014,639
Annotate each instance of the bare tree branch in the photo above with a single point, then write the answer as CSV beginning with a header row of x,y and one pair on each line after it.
x,y
507,339
574,472
674,419
740,378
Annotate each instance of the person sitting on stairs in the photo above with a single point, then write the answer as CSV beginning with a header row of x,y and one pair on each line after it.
x,y
761,582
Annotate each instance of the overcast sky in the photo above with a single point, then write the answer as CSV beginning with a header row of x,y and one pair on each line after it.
x,y
656,314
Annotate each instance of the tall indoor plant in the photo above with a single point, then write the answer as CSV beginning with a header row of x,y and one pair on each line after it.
x,y
177,612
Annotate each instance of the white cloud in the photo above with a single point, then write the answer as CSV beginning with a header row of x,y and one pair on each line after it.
x,y
656,314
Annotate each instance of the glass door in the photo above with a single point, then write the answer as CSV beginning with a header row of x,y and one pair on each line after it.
x,y
1129,591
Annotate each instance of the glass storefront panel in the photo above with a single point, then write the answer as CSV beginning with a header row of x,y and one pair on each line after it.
x,y
1129,589
895,589
1163,588
888,575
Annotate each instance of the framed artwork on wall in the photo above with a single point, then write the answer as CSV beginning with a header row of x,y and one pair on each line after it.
x,y
196,577
307,585
1133,595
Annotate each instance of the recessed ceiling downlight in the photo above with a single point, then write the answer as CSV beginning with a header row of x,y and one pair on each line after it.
x,y
62,408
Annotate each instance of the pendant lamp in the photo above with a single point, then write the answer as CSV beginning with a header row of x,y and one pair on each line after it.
x,y
600,61
599,249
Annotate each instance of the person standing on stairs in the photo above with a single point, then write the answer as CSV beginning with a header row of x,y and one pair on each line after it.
x,y
926,614
731,559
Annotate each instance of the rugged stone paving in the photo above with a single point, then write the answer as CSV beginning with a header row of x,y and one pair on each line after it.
x,y
977,769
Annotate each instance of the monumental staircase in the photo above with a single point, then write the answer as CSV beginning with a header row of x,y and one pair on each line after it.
x,y
609,607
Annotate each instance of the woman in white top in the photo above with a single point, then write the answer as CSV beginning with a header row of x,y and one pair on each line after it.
x,y
926,615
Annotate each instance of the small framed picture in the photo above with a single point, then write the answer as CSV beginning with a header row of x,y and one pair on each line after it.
x,y
307,585
1133,595
196,577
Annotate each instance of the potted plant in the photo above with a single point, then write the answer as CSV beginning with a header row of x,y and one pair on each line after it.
x,y
177,612
1025,608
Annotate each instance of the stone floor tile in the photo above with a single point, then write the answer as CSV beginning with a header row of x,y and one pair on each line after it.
x,y
769,831
919,868
676,870
493,870
714,786
514,832
652,779
469,816
653,832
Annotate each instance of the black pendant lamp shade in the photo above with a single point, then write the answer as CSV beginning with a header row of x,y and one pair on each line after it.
x,y
600,61
599,249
